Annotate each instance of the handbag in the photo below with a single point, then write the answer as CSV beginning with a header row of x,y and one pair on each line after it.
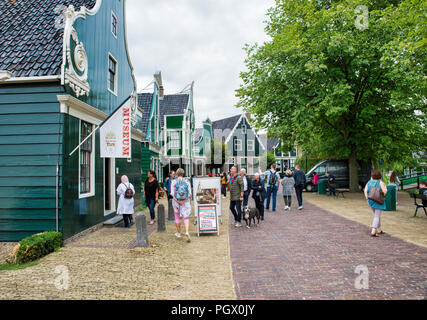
x,y
376,194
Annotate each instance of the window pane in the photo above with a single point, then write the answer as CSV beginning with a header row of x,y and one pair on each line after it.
x,y
85,157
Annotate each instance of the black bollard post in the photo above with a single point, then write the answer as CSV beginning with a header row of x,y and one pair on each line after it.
x,y
141,231
171,216
161,222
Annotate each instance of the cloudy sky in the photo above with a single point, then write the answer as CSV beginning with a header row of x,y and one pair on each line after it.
x,y
198,40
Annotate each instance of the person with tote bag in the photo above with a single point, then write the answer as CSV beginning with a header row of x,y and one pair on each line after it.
x,y
375,192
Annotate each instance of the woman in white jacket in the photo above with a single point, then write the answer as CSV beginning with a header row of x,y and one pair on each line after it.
x,y
126,205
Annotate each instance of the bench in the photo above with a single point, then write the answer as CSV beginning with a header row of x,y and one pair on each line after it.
x,y
418,205
339,192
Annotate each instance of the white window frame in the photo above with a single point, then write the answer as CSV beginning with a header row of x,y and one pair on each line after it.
x,y
110,56
91,193
113,16
251,145
175,139
238,142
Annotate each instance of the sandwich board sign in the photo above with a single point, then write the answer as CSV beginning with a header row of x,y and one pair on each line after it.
x,y
207,219
207,195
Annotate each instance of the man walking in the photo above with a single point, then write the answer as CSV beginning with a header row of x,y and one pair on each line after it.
x,y
300,180
272,177
236,196
246,187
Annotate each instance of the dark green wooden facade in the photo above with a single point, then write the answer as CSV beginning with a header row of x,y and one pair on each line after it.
x,y
37,135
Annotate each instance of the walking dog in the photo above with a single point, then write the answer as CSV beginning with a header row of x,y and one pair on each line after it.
x,y
250,214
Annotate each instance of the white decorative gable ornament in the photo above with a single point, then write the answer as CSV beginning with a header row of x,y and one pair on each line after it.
x,y
75,74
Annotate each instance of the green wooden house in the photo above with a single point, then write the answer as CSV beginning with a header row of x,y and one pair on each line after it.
x,y
178,125
244,148
149,103
202,147
61,75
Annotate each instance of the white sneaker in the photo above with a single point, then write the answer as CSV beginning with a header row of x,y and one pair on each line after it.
x,y
289,208
238,224
286,207
178,235
300,208
188,237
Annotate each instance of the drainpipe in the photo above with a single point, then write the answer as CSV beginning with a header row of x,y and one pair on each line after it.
x,y
57,197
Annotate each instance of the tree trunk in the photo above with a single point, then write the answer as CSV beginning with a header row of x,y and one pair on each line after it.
x,y
353,172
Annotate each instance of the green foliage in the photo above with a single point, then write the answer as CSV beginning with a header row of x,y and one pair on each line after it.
x,y
11,266
37,246
339,91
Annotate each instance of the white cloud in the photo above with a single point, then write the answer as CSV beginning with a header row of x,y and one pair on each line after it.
x,y
198,40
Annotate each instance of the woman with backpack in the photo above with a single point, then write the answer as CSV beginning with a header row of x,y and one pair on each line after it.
x,y
151,193
375,192
181,193
126,191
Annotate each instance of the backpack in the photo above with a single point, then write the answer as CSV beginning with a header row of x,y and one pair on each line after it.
x,y
272,179
181,189
128,192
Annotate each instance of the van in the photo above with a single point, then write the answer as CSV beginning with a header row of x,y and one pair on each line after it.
x,y
339,168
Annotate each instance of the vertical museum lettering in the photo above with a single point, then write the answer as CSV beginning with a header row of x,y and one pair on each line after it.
x,y
126,132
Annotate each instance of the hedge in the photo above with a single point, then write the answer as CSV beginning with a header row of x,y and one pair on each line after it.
x,y
37,246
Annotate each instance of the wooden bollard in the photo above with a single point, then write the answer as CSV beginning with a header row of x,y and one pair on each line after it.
x,y
171,216
161,222
141,231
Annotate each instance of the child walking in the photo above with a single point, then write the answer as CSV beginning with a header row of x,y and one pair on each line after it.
x,y
288,184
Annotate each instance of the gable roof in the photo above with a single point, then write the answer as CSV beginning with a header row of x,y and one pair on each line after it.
x,y
173,104
272,143
31,44
224,124
145,101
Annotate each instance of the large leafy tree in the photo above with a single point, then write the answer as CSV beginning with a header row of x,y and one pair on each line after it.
x,y
341,80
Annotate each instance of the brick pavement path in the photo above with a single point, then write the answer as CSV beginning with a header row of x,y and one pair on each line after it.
x,y
313,254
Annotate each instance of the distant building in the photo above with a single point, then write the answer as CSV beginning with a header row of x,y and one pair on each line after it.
x,y
178,125
151,127
58,81
284,160
243,146
202,147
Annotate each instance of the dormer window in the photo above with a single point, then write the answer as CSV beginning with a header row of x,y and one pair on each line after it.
x,y
114,24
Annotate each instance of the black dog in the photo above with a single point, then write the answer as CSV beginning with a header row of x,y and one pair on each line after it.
x,y
250,214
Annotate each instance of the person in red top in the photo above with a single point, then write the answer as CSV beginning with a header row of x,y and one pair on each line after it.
x,y
315,181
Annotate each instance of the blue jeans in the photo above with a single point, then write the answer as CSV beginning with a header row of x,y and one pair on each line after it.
x,y
151,208
237,214
271,191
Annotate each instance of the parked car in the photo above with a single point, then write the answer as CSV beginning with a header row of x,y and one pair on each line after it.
x,y
339,168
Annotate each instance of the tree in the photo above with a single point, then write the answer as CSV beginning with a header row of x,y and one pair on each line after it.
x,y
341,83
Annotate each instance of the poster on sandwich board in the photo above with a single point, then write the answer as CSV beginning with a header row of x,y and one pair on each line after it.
x,y
207,194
